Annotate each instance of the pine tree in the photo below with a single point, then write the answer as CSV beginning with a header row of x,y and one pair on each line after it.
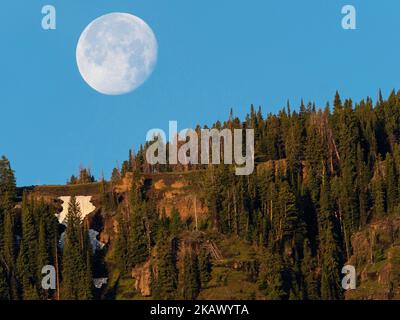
x,y
87,253
75,284
4,286
308,270
176,222
271,277
43,256
27,258
138,250
391,184
166,283
205,266
7,194
290,218
115,176
137,242
121,254
378,193
349,135
191,278
331,252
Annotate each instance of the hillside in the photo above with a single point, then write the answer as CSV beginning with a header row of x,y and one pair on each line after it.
x,y
325,193
235,262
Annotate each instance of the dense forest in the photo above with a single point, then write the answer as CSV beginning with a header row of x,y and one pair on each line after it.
x,y
321,176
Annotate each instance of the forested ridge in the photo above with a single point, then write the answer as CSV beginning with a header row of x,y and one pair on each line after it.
x,y
321,176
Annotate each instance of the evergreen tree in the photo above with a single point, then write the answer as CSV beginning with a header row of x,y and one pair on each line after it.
x,y
330,247
290,223
191,279
176,223
271,277
378,193
4,286
138,245
87,278
8,254
391,184
7,194
27,258
75,284
308,270
166,282
121,254
43,255
205,266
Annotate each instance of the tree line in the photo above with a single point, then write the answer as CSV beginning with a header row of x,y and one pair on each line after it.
x,y
321,175
30,239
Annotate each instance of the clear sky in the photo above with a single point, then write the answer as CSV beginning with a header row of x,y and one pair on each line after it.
x,y
213,55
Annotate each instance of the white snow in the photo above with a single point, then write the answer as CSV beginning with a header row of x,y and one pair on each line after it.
x,y
85,205
96,244
87,208
99,282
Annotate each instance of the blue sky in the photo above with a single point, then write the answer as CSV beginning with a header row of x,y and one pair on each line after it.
x,y
213,55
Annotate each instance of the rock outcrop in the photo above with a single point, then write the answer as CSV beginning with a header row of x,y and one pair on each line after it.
x,y
142,276
376,255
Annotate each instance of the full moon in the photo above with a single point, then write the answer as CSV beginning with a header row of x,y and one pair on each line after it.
x,y
116,53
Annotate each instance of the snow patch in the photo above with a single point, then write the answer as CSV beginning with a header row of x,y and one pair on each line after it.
x,y
96,244
87,208
85,205
99,282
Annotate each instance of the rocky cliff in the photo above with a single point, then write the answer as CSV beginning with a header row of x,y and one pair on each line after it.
x,y
376,257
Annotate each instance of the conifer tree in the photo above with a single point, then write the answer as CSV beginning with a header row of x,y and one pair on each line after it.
x,y
205,266
166,283
121,254
9,253
378,195
191,278
331,252
391,184
27,258
75,285
43,255
308,269
176,222
138,249
7,194
4,286
87,253
271,277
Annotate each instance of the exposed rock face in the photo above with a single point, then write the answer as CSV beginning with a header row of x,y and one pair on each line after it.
x,y
170,191
376,250
277,165
142,276
191,241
